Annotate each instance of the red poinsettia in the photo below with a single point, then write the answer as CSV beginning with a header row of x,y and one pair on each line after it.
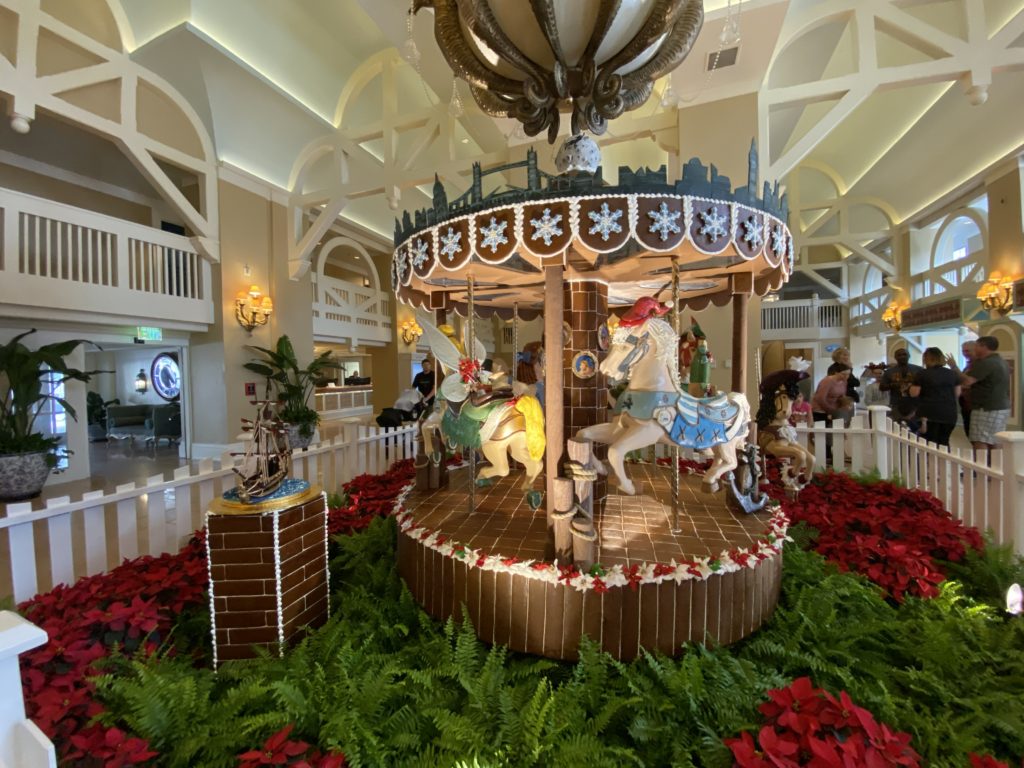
x,y
892,535
469,370
281,750
808,726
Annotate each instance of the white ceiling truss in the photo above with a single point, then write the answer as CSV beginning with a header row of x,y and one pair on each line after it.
x,y
972,60
408,148
92,64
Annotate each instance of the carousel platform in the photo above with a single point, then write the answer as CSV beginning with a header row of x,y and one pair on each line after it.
x,y
716,582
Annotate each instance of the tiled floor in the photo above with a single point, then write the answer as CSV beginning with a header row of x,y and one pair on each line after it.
x,y
632,529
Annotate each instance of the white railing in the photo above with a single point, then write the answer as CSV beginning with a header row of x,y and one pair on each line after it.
x,y
344,311
69,539
983,490
803,319
22,744
57,256
866,310
344,402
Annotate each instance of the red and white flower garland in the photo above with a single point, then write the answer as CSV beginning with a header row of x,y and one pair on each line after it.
x,y
599,578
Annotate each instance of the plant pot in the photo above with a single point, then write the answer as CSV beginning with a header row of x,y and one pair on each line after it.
x,y
295,438
22,475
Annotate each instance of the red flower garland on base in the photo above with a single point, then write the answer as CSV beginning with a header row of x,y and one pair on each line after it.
x,y
808,726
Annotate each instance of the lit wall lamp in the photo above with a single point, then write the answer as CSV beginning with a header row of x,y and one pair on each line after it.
x,y
141,382
996,294
252,308
892,317
411,331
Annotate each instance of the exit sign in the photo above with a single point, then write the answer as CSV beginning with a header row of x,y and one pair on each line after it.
x,y
148,334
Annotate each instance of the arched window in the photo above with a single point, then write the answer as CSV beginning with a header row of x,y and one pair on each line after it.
x,y
957,256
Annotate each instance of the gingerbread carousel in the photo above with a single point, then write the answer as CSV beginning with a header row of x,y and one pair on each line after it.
x,y
551,528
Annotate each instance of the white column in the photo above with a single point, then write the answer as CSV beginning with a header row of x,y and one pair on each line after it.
x,y
1012,444
880,438
22,744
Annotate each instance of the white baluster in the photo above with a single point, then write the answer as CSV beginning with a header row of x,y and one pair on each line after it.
x,y
21,541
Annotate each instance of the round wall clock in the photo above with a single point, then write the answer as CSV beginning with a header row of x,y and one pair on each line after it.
x,y
166,377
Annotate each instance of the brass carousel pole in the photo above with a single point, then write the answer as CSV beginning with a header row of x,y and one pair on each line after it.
x,y
515,341
471,354
675,446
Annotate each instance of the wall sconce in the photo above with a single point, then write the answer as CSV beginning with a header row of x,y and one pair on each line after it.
x,y
252,308
411,331
892,317
141,382
996,294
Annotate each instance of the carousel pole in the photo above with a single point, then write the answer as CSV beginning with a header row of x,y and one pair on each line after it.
x,y
553,397
515,342
471,354
675,446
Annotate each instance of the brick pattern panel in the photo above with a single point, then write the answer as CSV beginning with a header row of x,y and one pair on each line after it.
x,y
533,616
586,400
244,583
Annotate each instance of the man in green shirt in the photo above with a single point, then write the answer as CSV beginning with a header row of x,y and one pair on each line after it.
x,y
989,380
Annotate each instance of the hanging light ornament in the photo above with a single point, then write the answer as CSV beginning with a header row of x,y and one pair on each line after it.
x,y
455,108
593,58
410,52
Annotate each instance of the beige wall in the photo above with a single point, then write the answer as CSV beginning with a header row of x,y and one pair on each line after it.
x,y
21,180
252,234
1006,230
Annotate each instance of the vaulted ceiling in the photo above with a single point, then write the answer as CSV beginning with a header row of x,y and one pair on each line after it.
x,y
898,102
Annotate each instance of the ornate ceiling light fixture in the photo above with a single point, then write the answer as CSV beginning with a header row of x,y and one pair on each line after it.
x,y
595,58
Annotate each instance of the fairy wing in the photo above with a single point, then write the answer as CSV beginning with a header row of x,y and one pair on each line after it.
x,y
444,349
454,389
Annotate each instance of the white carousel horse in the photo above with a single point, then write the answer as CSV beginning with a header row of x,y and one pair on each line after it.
x,y
654,408
776,436
472,410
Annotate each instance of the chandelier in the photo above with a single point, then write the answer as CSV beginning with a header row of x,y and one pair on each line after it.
x,y
533,61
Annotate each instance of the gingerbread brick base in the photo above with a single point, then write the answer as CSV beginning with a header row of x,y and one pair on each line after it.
x,y
268,576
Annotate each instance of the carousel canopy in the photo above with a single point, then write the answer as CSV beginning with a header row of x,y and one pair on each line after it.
x,y
724,240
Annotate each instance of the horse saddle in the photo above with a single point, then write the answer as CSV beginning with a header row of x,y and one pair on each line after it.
x,y
702,423
488,396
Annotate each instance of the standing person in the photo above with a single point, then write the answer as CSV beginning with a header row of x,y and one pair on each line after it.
x,y
989,380
967,348
830,400
842,357
424,382
896,381
936,389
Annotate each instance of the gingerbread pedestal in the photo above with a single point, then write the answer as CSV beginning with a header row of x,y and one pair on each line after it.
x,y
268,573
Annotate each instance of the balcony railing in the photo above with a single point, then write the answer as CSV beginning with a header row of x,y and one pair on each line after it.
x,y
349,313
803,319
66,259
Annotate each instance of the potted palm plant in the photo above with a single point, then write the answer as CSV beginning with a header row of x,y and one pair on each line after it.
x,y
291,386
29,379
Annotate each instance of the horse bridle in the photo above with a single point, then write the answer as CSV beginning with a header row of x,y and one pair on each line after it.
x,y
640,348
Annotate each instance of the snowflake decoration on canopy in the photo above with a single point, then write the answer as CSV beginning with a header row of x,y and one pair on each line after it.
x,y
546,227
664,221
418,254
605,221
754,235
494,234
714,224
451,243
779,240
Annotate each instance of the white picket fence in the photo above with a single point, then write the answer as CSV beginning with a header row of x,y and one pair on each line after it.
x,y
983,490
69,539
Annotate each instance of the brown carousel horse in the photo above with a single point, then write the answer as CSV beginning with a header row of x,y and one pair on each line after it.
x,y
775,435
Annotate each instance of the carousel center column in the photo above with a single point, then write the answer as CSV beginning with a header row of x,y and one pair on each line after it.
x,y
586,312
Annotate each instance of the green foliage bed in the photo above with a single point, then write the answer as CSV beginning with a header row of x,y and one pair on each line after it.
x,y
389,687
